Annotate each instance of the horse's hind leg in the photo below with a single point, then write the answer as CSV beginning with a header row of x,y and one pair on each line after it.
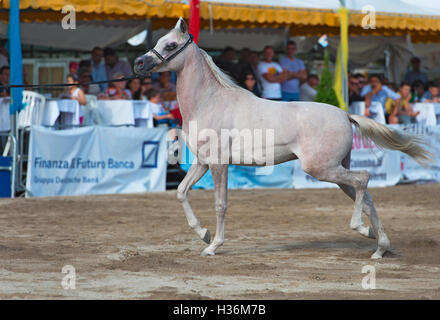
x,y
356,222
358,180
194,174
377,231
383,242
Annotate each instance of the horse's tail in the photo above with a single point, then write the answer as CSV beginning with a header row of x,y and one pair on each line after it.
x,y
385,137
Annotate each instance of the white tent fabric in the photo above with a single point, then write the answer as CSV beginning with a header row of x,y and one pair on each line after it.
x,y
307,4
364,50
87,34
429,54
411,7
254,39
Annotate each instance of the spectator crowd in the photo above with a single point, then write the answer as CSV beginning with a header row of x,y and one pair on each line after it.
x,y
104,64
285,80
396,102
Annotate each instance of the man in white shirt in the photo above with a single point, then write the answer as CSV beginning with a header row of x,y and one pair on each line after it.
x,y
307,91
271,75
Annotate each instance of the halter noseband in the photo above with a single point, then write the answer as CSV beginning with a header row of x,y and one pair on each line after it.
x,y
172,56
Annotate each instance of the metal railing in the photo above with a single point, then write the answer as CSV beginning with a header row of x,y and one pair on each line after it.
x,y
11,143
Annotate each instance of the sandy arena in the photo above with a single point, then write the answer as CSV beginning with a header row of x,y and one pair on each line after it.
x,y
280,244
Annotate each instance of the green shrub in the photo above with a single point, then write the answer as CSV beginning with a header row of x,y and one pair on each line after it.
x,y
326,93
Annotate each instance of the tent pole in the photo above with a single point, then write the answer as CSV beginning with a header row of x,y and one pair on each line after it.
x,y
344,81
343,71
149,37
286,36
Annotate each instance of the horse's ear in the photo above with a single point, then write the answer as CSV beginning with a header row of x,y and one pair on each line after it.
x,y
181,25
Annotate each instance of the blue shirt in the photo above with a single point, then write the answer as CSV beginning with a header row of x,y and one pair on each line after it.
x,y
428,96
295,65
120,67
412,76
381,96
99,74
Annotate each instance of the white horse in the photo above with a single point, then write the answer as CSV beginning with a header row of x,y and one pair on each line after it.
x,y
319,135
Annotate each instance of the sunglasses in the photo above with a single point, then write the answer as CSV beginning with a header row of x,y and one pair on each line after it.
x,y
146,83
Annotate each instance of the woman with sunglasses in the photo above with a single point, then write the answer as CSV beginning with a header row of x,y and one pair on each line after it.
x,y
354,90
250,83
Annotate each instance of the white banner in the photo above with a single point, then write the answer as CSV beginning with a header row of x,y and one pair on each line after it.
x,y
411,170
383,166
96,160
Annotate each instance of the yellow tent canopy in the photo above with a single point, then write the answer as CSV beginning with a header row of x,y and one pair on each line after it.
x,y
50,10
237,14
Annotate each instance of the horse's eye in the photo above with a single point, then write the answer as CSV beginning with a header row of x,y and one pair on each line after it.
x,y
171,46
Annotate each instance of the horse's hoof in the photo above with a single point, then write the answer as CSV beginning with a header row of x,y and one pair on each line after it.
x,y
207,236
376,256
380,252
206,253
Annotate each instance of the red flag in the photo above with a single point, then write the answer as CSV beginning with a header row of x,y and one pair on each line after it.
x,y
194,19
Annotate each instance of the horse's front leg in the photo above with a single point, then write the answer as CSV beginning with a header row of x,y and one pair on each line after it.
x,y
194,174
220,177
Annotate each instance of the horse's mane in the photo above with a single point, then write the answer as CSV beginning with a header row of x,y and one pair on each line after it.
x,y
222,78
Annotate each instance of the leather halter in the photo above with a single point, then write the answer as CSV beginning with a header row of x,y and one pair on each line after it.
x,y
173,55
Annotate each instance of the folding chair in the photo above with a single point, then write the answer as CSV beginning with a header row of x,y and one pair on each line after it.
x,y
31,114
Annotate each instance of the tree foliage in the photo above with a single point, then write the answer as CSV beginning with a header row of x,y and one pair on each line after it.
x,y
326,93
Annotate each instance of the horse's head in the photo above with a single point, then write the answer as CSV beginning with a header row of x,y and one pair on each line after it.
x,y
168,54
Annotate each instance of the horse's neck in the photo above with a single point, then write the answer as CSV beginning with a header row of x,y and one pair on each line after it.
x,y
193,82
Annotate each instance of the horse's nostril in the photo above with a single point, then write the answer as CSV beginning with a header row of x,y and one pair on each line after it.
x,y
139,62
